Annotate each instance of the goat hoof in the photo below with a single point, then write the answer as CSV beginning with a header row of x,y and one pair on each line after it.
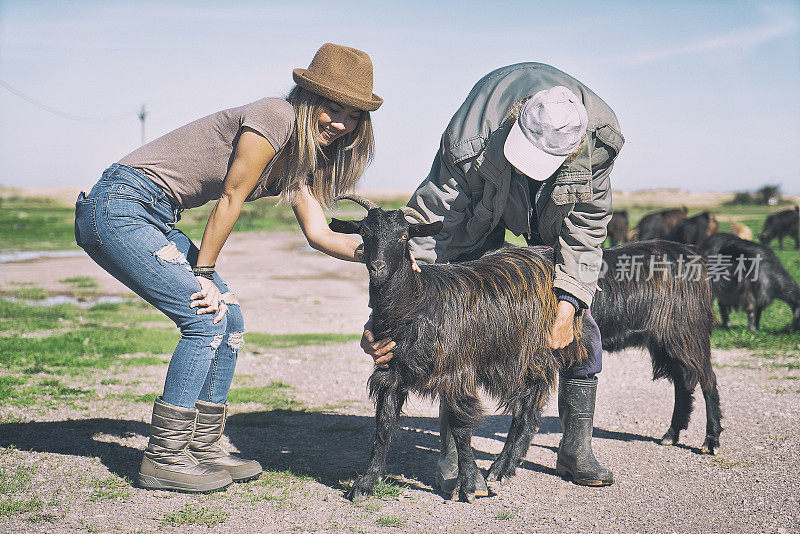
x,y
710,446
501,473
360,490
669,438
355,495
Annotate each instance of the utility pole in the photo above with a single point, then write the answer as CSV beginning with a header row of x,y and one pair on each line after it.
x,y
142,117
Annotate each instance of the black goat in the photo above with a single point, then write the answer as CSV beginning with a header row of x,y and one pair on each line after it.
x,y
480,323
750,283
694,230
785,223
618,227
655,294
658,225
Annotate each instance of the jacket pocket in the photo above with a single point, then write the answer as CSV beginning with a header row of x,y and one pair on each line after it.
x,y
572,187
86,234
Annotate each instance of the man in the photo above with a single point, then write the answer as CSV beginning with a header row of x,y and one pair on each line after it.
x,y
530,150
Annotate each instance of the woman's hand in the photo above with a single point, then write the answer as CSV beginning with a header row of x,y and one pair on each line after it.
x,y
379,350
562,334
208,299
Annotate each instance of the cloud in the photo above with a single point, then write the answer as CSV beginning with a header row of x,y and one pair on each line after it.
x,y
741,40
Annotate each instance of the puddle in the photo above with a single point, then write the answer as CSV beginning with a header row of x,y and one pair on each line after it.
x,y
9,256
65,299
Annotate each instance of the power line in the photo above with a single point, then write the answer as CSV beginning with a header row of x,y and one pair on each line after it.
x,y
64,114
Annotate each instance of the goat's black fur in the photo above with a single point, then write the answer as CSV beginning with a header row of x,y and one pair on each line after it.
x,y
659,224
668,310
785,223
694,230
458,328
618,227
751,292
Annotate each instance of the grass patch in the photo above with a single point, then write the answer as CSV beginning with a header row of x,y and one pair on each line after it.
x,y
110,488
274,396
506,514
36,224
278,485
194,515
147,398
13,507
95,339
46,391
724,463
18,480
7,386
282,341
110,382
25,291
83,282
388,490
390,521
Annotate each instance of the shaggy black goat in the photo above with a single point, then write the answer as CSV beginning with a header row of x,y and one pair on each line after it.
x,y
694,230
480,323
658,225
618,227
750,283
785,223
656,295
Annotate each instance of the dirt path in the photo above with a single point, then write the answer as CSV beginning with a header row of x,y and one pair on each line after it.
x,y
751,486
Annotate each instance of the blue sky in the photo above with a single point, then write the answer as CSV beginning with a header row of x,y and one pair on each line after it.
x,y
707,93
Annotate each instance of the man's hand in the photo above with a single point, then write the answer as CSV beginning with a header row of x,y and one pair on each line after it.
x,y
379,350
562,333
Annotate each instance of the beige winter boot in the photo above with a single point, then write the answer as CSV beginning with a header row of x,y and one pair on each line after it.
x,y
206,448
167,462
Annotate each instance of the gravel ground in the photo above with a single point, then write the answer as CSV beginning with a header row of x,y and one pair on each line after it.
x,y
72,451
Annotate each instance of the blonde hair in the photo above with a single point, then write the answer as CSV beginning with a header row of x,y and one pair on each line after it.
x,y
327,170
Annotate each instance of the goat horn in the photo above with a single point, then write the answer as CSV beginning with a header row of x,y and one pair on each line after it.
x,y
411,212
365,203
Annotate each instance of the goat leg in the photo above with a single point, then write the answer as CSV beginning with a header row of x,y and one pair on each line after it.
x,y
708,383
525,423
462,416
387,409
468,471
724,312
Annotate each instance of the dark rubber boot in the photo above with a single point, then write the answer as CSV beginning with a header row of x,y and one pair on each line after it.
x,y
576,460
206,448
167,462
447,465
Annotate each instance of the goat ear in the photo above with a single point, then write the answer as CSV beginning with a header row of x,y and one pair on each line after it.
x,y
423,230
345,227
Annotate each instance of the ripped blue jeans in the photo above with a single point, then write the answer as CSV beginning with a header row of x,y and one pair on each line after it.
x,y
127,225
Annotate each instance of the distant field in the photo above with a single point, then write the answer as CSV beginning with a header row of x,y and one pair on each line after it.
x,y
43,223
36,223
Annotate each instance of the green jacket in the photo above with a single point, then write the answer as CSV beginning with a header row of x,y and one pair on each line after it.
x,y
472,188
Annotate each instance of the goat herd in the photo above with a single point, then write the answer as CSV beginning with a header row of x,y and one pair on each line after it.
x,y
484,323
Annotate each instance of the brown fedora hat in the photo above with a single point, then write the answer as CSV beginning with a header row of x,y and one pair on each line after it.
x,y
342,74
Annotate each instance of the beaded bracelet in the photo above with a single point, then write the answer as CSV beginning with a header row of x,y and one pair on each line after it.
x,y
206,271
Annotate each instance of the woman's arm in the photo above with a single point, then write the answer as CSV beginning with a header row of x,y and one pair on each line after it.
x,y
251,155
315,227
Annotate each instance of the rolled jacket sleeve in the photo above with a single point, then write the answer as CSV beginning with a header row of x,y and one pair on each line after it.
x,y
440,197
578,256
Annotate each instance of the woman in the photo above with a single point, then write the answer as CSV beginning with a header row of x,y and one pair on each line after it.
x,y
306,148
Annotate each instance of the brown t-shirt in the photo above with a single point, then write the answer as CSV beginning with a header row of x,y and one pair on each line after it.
x,y
191,163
